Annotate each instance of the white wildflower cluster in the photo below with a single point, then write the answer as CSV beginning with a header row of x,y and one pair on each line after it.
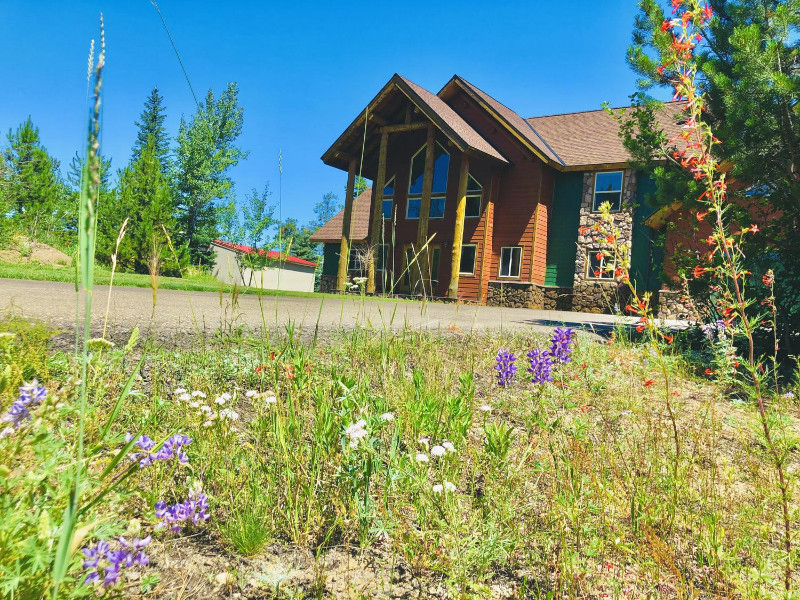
x,y
210,412
356,432
437,450
447,487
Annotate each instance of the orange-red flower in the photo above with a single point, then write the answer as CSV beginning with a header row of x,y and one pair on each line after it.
x,y
701,215
649,382
768,278
707,11
709,372
699,271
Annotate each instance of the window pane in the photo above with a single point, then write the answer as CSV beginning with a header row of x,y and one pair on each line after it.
x,y
608,182
505,261
614,198
473,185
598,266
467,265
437,208
473,206
515,259
441,164
387,209
413,208
388,189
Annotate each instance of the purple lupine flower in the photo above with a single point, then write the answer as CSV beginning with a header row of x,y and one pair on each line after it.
x,y
173,447
101,559
708,330
541,366
30,395
194,509
505,367
561,344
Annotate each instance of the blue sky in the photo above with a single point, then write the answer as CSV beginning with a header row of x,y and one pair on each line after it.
x,y
305,69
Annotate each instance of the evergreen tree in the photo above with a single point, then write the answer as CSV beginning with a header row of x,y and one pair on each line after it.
x,y
296,240
326,209
145,199
151,124
750,67
206,152
34,190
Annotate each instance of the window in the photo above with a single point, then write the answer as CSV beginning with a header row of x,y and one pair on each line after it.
x,y
510,259
388,199
608,188
357,263
441,164
382,258
474,195
598,266
468,254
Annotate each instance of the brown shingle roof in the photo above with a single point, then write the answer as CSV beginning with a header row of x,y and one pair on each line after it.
x,y
359,222
591,138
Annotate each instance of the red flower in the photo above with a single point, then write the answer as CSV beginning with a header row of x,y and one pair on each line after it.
x,y
289,371
666,25
272,355
701,215
708,12
676,4
610,238
584,230
649,382
709,372
585,408
640,328
260,368
768,278
753,228
699,271
668,338
599,256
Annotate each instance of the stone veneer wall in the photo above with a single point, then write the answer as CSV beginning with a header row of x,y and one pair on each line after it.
x,y
592,295
517,294
676,304
327,283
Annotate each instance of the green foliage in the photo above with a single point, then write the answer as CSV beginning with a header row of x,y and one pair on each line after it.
x,y
151,126
32,188
205,153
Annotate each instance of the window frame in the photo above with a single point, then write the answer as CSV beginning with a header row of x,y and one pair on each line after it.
x,y
359,267
474,259
390,199
595,205
604,275
500,265
474,194
434,195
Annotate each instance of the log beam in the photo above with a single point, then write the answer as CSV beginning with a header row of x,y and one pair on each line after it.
x,y
458,231
344,248
425,207
376,228
404,127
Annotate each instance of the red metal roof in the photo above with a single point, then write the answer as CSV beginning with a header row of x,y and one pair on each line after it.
x,y
271,254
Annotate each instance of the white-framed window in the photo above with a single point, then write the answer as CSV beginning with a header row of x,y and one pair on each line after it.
x,y
469,253
441,165
474,196
608,188
510,261
388,199
598,265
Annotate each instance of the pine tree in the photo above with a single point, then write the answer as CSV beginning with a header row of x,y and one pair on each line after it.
x,y
206,151
151,124
34,190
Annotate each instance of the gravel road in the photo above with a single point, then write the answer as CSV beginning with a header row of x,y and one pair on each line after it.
x,y
178,313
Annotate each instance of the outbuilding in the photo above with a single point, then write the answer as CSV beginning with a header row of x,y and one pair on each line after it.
x,y
282,272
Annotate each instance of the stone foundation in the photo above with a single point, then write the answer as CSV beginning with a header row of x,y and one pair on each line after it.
x,y
517,294
676,304
599,297
327,283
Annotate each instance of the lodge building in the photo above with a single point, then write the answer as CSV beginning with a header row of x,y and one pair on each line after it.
x,y
471,201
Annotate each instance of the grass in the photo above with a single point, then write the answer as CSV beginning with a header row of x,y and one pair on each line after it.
x,y
102,275
565,490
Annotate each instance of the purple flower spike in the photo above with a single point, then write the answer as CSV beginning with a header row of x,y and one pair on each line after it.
x,y
30,395
541,366
101,559
505,367
194,509
561,344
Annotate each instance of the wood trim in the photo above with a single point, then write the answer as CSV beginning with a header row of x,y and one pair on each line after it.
x,y
344,247
404,127
377,212
458,230
486,252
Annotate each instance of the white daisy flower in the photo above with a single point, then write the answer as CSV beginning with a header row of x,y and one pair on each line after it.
x,y
437,489
387,417
194,404
219,400
422,457
198,394
448,446
438,450
185,397
270,400
449,486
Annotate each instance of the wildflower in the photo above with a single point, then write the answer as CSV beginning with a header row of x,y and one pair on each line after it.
x,y
649,382
271,399
220,400
356,432
438,451
789,395
289,371
387,417
198,394
185,397
179,391
102,559
449,486
707,11
701,215
485,408
206,409
561,344
769,278
448,446
193,509
422,457
505,367
541,366
228,414
30,395
709,372
424,440
251,394
437,489
260,368
194,404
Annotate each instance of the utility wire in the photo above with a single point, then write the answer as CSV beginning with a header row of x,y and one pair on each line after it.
x,y
175,48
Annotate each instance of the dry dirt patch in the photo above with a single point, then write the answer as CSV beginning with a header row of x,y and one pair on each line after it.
x,y
24,251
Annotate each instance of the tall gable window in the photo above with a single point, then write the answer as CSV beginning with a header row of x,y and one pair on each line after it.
x,y
388,199
474,196
608,188
441,164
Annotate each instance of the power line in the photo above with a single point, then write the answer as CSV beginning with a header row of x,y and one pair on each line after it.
x,y
175,48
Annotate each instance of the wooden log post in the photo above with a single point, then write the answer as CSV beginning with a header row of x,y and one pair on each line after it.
x,y
344,248
377,214
458,232
423,259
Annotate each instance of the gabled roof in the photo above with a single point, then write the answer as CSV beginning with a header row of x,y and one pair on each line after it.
x,y
359,222
457,130
271,254
589,138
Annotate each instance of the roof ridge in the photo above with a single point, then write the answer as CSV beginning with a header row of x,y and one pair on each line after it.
x,y
594,110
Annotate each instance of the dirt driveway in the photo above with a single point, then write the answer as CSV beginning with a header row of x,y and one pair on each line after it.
x,y
178,313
